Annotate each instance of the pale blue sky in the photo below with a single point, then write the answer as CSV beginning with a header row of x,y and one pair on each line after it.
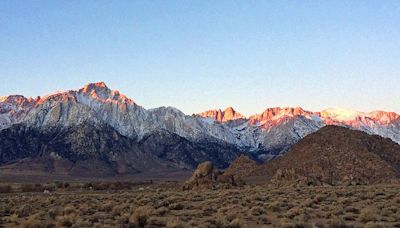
x,y
198,55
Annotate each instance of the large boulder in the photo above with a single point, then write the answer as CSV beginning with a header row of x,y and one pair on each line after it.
x,y
205,170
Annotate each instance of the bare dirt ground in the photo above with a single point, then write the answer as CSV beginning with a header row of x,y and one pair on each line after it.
x,y
166,205
35,177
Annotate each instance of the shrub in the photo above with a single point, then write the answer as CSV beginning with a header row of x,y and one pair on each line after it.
x,y
175,223
368,214
156,222
396,200
106,206
257,211
162,211
352,210
236,223
374,225
66,221
140,216
176,206
69,209
264,219
117,210
23,211
52,212
34,222
337,223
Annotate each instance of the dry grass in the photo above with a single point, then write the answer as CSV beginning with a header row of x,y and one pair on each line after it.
x,y
165,205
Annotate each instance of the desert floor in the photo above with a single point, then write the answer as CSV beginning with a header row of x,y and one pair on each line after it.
x,y
166,205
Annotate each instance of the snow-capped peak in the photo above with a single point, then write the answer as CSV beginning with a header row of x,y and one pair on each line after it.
x,y
350,116
384,117
340,114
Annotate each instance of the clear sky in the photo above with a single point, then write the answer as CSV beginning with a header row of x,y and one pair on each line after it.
x,y
198,55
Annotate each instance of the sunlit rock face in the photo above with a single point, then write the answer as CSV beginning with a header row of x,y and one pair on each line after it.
x,y
222,116
14,108
384,117
339,114
385,124
272,117
113,108
59,110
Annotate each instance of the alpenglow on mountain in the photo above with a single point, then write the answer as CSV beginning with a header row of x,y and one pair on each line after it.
x,y
101,125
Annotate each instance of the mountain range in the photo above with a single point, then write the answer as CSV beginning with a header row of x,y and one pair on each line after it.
x,y
62,131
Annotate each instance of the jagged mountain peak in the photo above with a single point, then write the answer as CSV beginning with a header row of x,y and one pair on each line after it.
x,y
15,104
222,115
97,87
59,96
384,117
278,111
101,92
16,99
14,108
230,109
11,98
92,92
275,116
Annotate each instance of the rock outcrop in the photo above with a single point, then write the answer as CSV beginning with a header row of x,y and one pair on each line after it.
x,y
219,115
207,177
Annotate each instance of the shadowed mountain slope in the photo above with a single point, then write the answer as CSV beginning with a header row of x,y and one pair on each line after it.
x,y
335,156
99,150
